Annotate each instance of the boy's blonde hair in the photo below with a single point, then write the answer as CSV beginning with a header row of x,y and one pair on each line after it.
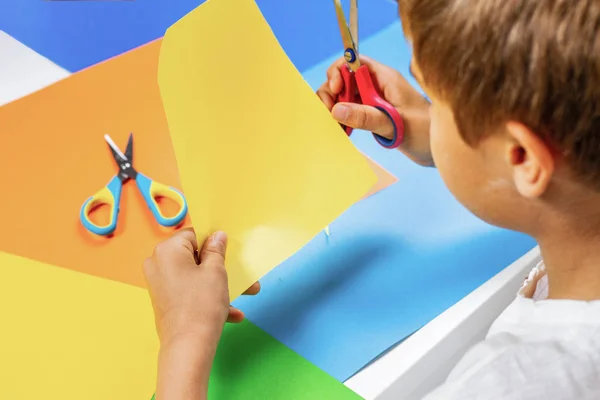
x,y
532,61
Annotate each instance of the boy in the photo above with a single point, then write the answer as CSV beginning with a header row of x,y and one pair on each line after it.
x,y
514,129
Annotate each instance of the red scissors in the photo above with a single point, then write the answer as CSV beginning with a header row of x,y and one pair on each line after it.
x,y
358,84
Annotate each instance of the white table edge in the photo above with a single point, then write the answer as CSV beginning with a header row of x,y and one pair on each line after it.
x,y
422,362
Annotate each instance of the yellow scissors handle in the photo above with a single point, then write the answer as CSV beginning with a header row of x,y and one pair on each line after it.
x,y
151,190
109,195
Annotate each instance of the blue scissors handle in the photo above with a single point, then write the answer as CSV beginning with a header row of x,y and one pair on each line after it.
x,y
110,195
151,190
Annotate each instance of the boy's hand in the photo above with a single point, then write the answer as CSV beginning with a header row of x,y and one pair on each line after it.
x,y
392,86
191,304
191,299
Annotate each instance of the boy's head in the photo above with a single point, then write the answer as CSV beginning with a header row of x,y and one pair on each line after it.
x,y
515,90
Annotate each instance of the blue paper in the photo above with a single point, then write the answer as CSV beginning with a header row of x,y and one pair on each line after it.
x,y
78,34
393,262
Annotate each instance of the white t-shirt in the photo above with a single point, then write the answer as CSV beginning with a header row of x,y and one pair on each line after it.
x,y
537,349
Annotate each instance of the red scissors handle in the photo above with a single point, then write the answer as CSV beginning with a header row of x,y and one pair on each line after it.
x,y
361,80
349,92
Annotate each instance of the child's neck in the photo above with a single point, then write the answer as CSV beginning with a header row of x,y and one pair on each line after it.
x,y
571,256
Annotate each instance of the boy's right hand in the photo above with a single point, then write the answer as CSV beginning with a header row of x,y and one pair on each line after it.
x,y
396,90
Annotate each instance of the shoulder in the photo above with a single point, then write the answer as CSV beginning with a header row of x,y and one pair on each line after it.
x,y
509,369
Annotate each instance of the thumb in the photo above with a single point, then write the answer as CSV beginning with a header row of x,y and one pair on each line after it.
x,y
213,251
359,116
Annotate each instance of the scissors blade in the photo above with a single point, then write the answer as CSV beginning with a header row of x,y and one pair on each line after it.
x,y
350,51
354,22
116,150
129,149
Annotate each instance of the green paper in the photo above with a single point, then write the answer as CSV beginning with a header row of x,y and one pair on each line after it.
x,y
252,365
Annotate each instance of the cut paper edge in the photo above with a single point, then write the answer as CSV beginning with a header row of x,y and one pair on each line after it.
x,y
384,178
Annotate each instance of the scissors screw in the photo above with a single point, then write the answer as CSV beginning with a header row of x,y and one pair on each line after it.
x,y
350,55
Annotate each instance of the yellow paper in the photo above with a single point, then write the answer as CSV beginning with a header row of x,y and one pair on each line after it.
x,y
259,155
71,336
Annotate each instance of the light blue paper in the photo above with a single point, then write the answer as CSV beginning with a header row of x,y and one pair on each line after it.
x,y
393,262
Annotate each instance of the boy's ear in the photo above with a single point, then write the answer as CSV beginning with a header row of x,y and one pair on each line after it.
x,y
531,160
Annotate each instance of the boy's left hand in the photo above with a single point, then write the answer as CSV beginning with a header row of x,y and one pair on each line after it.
x,y
191,299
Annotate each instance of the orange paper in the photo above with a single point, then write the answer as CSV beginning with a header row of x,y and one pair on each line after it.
x,y
384,178
54,157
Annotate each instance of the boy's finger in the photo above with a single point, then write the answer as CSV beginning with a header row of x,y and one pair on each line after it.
x,y
188,235
185,238
373,66
326,97
213,251
336,83
366,60
363,117
235,316
335,68
334,77
254,289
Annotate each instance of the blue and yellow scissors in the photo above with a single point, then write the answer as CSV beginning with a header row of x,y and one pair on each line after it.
x,y
110,195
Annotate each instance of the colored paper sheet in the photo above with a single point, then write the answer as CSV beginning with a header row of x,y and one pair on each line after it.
x,y
239,373
393,262
82,337
53,143
70,336
59,131
259,155
79,34
384,178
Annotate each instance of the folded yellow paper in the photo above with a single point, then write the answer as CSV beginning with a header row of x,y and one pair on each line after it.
x,y
68,335
259,155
